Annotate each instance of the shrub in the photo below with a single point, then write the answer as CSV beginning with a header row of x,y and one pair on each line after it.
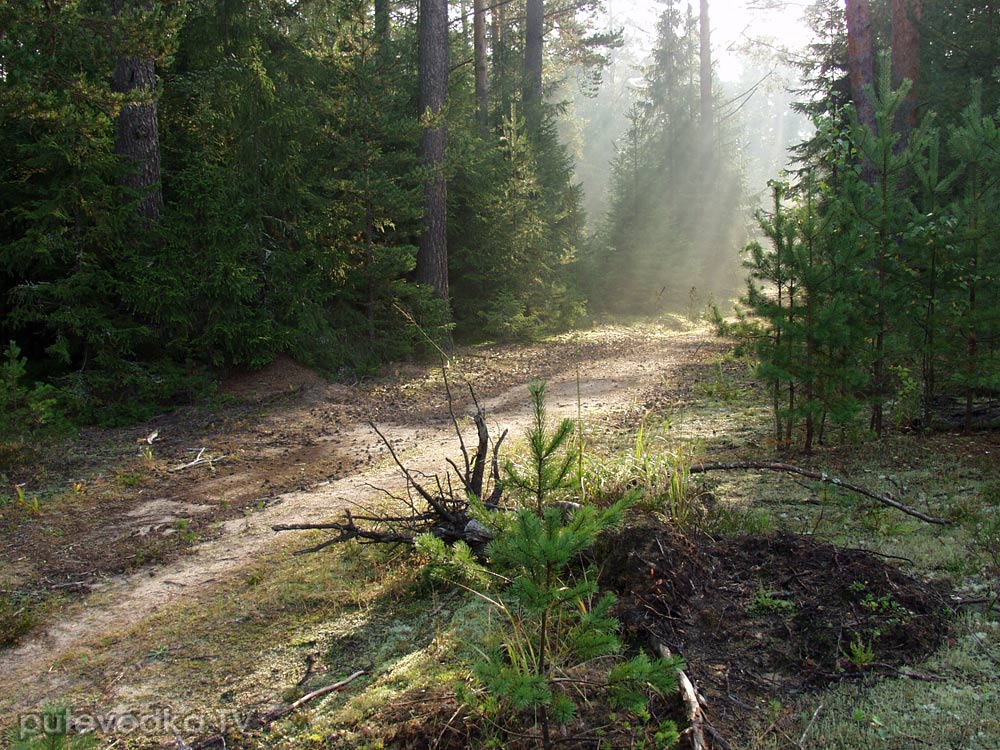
x,y
29,413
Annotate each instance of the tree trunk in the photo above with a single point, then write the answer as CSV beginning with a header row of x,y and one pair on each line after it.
x,y
479,44
861,68
707,118
906,62
533,35
498,25
137,139
432,256
382,33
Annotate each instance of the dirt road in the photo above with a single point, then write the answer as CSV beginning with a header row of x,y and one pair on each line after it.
x,y
303,457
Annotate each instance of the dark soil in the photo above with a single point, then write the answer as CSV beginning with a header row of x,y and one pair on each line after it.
x,y
762,618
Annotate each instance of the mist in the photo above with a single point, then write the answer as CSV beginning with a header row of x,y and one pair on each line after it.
x,y
671,241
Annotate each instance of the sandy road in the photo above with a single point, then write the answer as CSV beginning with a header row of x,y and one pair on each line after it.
x,y
30,672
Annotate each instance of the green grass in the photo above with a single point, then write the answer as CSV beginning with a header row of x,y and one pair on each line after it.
x,y
245,642
767,602
952,701
18,615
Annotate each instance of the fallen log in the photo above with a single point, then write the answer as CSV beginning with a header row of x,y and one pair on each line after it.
x,y
819,476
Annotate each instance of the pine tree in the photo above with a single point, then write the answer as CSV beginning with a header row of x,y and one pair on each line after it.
x,y
552,616
432,259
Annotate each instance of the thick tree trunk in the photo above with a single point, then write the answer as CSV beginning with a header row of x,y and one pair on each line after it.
x,y
861,68
432,256
534,29
906,61
707,107
137,139
479,45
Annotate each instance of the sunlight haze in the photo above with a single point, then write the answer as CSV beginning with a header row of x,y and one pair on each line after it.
x,y
736,24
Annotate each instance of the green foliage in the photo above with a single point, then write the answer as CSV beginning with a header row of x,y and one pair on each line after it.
x,y
549,463
657,478
869,292
676,205
878,287
515,232
555,628
18,615
555,641
52,733
765,602
859,653
292,199
28,414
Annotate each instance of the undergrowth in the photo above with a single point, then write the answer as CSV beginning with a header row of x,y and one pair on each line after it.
x,y
482,641
552,647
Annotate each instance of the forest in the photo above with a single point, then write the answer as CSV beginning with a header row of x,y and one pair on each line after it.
x,y
499,373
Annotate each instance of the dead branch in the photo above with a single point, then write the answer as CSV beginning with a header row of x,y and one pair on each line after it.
x,y
454,421
693,701
431,500
199,461
818,476
255,723
434,503
493,501
349,531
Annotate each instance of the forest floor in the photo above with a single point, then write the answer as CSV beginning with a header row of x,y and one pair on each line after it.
x,y
143,587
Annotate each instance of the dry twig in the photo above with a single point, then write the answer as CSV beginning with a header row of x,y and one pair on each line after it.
x,y
199,460
818,476
278,712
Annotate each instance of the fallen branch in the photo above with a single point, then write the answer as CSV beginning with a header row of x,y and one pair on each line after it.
x,y
199,461
433,504
278,712
809,726
349,530
818,476
696,714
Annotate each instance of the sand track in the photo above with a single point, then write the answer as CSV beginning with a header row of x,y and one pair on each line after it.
x,y
635,364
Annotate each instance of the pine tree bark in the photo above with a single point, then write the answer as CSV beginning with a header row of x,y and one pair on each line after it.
x,y
479,46
861,69
906,16
432,255
534,30
137,139
707,105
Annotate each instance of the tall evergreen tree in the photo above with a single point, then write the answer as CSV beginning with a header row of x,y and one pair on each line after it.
x,y
707,106
432,260
482,75
137,141
676,206
906,16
